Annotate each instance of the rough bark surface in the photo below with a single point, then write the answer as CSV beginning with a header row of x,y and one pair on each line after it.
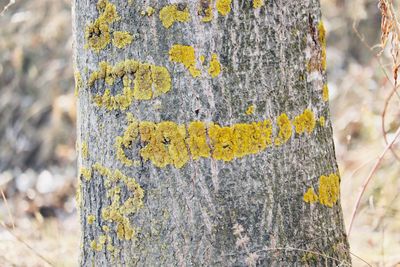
x,y
189,212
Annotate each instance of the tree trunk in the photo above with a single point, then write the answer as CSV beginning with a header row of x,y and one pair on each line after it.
x,y
204,135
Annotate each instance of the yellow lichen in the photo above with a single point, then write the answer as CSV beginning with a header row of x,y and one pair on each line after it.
x,y
148,12
215,67
122,39
125,141
105,228
97,33
90,219
143,83
101,169
78,82
110,13
86,173
197,140
165,143
325,93
78,195
221,142
110,248
119,211
205,10
202,59
258,3
322,41
305,122
285,129
310,196
184,54
262,135
321,33
174,13
329,189
84,150
224,6
95,246
161,80
242,134
102,239
101,5
149,81
323,58
322,121
250,110
251,138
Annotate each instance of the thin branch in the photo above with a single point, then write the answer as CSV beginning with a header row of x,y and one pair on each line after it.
x,y
394,84
8,209
383,116
26,244
376,56
10,3
361,259
368,179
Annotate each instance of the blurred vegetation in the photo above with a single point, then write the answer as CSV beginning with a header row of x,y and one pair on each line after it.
x,y
37,132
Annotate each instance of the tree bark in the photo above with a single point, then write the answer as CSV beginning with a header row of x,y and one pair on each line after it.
x,y
204,135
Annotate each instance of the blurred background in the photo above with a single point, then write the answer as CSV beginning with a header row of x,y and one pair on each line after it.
x,y
38,217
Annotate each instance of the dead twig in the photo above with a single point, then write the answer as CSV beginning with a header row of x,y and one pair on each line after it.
x,y
10,3
368,179
383,117
8,209
26,244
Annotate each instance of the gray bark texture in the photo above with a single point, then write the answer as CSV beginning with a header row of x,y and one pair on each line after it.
x,y
245,211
